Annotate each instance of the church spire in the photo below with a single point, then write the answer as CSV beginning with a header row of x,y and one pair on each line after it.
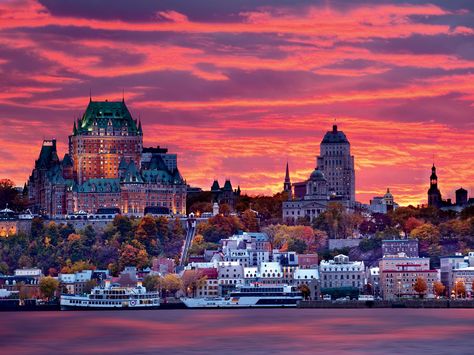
x,y
287,183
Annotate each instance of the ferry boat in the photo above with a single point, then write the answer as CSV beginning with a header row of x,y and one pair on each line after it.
x,y
112,297
250,296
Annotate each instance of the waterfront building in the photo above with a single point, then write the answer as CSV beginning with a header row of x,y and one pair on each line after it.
x,y
106,167
230,274
463,275
76,283
373,278
210,287
399,272
450,263
395,246
342,273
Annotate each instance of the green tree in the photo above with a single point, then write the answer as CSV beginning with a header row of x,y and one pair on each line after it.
x,y
3,268
296,245
152,282
48,286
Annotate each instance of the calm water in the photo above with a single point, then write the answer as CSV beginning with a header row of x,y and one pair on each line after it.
x,y
261,331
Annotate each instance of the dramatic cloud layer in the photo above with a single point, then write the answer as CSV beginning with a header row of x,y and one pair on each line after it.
x,y
239,88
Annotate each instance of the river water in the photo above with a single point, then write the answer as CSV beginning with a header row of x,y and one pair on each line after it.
x,y
240,331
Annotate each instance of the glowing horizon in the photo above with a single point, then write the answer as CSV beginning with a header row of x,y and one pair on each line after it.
x,y
238,89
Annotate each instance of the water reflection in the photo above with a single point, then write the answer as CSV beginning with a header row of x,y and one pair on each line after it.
x,y
239,331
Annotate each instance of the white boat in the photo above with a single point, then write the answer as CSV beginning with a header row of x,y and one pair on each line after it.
x,y
250,296
112,297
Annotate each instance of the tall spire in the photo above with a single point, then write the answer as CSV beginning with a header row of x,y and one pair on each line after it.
x,y
90,95
287,182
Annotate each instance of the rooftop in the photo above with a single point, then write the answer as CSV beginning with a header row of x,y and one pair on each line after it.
x,y
335,136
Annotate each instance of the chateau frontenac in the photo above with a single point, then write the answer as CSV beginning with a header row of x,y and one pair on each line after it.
x,y
106,167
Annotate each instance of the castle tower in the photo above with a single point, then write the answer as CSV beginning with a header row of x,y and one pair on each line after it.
x,y
104,135
434,195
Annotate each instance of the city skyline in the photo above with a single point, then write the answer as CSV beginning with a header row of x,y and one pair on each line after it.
x,y
252,85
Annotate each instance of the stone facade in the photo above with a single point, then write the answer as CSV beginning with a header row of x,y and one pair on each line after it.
x,y
106,167
342,273
333,180
337,164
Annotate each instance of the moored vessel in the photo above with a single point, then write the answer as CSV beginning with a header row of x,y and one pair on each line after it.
x,y
112,297
250,296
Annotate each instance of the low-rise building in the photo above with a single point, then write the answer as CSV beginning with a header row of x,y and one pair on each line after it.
x,y
466,276
398,273
211,284
396,246
448,264
342,273
230,274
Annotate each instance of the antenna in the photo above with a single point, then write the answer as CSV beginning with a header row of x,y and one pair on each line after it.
x,y
123,95
90,95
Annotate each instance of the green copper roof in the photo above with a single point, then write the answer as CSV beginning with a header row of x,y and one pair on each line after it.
x,y
99,185
107,115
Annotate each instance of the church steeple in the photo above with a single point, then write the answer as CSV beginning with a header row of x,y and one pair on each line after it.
x,y
287,182
434,195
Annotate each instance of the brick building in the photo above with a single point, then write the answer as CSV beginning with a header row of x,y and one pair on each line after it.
x,y
106,166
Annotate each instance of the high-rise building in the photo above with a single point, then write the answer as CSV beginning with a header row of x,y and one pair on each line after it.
x,y
106,167
333,180
337,164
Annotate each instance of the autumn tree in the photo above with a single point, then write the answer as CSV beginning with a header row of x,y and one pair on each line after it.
x,y
147,234
438,288
48,286
192,280
427,234
219,227
305,291
411,224
171,284
420,286
10,195
132,256
249,220
459,289
224,209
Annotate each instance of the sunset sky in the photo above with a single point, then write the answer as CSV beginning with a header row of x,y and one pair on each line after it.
x,y
238,88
